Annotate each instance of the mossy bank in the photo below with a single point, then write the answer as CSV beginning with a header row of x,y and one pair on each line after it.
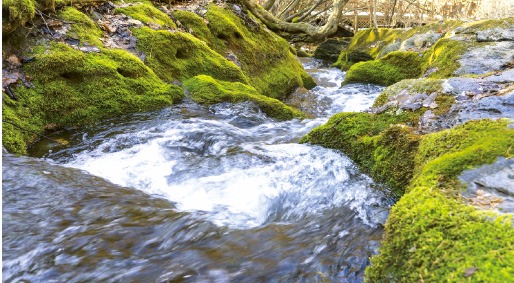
x,y
90,66
422,133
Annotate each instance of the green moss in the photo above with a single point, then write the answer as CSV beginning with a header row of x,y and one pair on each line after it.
x,y
179,56
443,155
83,28
388,70
196,24
379,146
17,12
147,14
264,57
443,56
365,45
431,235
74,89
206,90
412,86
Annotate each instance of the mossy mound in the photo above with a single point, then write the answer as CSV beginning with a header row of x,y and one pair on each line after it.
x,y
179,56
83,28
365,45
148,14
431,235
373,142
394,67
75,88
206,90
442,57
264,57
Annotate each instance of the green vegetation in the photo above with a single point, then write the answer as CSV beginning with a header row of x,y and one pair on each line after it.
x,y
392,68
196,24
179,56
148,14
264,57
431,235
376,143
365,45
204,89
443,57
83,29
74,88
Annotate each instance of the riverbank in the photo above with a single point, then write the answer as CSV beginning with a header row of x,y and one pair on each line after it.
x,y
448,109
79,67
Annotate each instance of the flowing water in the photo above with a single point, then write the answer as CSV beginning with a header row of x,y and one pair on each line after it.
x,y
195,194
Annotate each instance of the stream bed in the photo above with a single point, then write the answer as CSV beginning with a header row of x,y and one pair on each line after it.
x,y
195,193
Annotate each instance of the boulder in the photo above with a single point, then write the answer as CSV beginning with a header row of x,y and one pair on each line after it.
x,y
329,50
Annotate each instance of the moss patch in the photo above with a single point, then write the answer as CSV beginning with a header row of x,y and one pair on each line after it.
x,y
393,68
148,14
365,45
206,90
179,56
443,56
74,88
83,28
433,236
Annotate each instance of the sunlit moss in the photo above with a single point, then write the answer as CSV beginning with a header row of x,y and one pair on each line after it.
x,y
179,56
83,28
394,67
206,90
431,235
73,88
147,14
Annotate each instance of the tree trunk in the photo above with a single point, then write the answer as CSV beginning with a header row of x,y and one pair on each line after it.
x,y
298,31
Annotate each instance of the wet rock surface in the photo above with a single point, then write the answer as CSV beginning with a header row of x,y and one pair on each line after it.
x,y
491,186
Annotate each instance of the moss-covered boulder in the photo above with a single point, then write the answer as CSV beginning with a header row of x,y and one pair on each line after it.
x,y
376,143
147,14
73,88
179,56
392,68
365,45
206,90
263,57
431,233
330,49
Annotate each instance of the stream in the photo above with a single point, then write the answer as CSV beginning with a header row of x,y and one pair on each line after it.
x,y
195,193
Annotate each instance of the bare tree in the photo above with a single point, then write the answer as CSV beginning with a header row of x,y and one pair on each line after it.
x,y
298,30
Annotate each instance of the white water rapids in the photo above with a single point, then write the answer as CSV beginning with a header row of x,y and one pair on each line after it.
x,y
195,194
236,167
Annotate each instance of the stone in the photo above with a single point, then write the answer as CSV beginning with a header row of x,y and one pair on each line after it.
x,y
486,58
330,49
491,186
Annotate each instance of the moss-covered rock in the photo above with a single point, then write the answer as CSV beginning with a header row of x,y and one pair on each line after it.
x,y
392,68
375,142
179,56
206,90
264,57
331,48
83,28
365,45
431,235
147,14
74,88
